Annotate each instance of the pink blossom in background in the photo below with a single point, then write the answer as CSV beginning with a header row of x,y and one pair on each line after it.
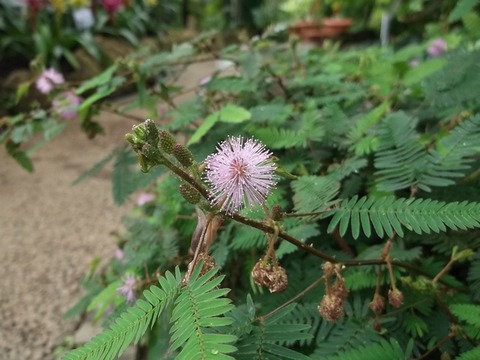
x,y
128,288
112,6
35,5
241,174
144,198
66,104
414,63
205,80
48,79
119,254
437,47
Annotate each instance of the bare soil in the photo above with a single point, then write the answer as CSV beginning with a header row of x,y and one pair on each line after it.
x,y
50,231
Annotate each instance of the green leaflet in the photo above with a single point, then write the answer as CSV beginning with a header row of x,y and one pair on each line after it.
x,y
388,215
229,114
132,324
199,309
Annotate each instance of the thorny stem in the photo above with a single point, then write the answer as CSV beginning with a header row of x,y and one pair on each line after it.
x,y
295,298
308,248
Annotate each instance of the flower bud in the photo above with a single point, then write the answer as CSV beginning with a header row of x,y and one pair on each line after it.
x,y
183,155
331,307
150,152
189,193
377,305
139,131
151,132
395,298
277,212
167,141
134,141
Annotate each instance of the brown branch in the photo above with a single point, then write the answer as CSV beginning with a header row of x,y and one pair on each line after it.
x,y
308,248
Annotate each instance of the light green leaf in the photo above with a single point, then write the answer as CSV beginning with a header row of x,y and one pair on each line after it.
x,y
234,114
203,129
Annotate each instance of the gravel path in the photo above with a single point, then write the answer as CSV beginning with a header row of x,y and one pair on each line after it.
x,y
49,233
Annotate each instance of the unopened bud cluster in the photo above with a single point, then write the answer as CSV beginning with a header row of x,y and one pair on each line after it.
x,y
167,141
183,155
331,306
274,278
189,193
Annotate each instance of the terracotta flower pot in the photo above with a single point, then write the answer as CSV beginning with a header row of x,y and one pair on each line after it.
x,y
336,26
314,30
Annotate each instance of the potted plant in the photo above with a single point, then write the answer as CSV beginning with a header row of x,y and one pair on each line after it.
x,y
319,20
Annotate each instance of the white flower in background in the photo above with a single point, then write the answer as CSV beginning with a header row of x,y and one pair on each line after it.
x,y
83,18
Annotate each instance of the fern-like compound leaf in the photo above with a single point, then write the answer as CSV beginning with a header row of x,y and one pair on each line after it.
x,y
400,157
467,312
198,318
383,350
132,324
453,154
265,339
314,193
473,354
388,215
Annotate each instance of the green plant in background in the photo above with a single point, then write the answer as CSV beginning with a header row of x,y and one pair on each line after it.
x,y
370,231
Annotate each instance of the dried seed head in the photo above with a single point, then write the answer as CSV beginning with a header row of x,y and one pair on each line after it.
x,y
279,280
328,268
189,193
395,298
167,141
331,307
376,325
183,155
265,275
339,289
377,305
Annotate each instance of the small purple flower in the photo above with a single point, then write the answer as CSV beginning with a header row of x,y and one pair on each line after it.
x,y
414,63
241,174
144,198
48,79
128,288
437,47
66,104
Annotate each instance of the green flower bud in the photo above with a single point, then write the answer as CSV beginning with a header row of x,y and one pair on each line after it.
x,y
143,162
150,152
134,141
139,131
189,193
183,155
167,141
151,132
